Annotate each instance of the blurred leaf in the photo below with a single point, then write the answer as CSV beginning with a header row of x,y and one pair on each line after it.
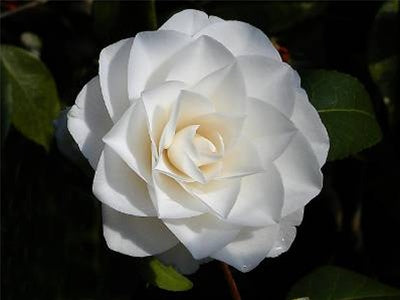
x,y
333,283
32,92
383,57
5,104
165,277
345,109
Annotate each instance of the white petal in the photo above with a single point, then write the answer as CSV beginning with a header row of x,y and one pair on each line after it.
x,y
241,160
172,201
270,81
229,127
260,200
113,71
180,258
192,105
135,236
269,130
188,21
241,39
249,248
220,195
182,151
65,141
197,60
226,89
286,236
149,51
129,138
88,121
300,173
287,233
202,235
159,103
164,166
307,120
118,186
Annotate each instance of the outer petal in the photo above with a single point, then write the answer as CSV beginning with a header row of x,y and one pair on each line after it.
x,y
241,39
129,138
249,248
226,89
202,235
270,130
188,21
149,51
118,186
135,236
300,173
269,80
88,121
172,201
180,258
113,74
198,59
260,200
307,120
287,233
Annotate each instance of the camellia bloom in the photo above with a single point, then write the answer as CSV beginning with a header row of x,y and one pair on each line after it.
x,y
204,143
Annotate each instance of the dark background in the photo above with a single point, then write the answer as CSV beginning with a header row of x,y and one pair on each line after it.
x,y
51,238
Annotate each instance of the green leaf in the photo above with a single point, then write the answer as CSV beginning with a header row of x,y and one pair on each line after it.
x,y
345,109
165,277
5,104
333,283
32,93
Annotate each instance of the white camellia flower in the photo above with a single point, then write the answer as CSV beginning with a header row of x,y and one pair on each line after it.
x,y
204,143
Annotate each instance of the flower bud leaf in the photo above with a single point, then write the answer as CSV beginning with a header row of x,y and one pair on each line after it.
x,y
31,92
345,109
165,277
329,282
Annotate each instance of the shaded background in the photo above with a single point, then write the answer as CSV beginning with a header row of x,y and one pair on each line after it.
x,y
51,238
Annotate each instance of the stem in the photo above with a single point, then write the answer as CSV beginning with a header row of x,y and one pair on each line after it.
x,y
152,15
231,281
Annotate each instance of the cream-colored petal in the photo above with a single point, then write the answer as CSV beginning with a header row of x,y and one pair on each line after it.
x,y
229,127
88,121
182,151
241,160
159,103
